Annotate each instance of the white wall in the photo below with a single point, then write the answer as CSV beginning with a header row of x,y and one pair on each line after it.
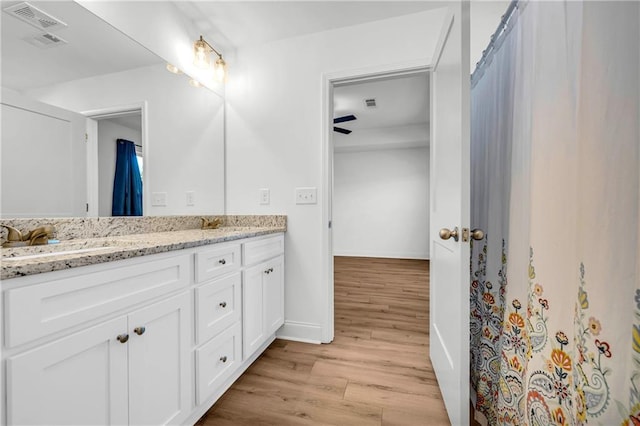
x,y
274,137
43,171
185,131
381,203
108,133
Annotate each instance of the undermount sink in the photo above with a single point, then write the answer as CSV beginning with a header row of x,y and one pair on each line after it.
x,y
61,249
16,257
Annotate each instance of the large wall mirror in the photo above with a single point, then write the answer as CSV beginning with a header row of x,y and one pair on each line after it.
x,y
71,91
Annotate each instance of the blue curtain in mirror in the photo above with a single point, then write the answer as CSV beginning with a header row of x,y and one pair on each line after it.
x,y
127,183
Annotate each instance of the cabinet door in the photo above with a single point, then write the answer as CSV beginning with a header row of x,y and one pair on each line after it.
x,y
80,380
274,295
253,329
159,362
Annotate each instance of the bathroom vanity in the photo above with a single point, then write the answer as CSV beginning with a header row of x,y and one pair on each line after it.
x,y
152,329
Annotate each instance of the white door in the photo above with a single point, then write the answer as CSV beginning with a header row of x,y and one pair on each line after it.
x,y
253,329
160,385
77,380
449,293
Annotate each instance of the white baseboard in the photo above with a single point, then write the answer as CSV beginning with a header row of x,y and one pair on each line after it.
x,y
374,253
300,332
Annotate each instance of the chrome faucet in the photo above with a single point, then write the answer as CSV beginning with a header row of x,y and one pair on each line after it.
x,y
36,237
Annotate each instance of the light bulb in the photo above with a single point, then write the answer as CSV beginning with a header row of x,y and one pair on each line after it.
x,y
219,70
200,54
173,69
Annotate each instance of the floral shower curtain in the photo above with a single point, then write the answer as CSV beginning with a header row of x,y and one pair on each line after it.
x,y
555,294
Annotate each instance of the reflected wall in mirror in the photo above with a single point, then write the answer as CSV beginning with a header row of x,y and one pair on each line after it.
x,y
56,161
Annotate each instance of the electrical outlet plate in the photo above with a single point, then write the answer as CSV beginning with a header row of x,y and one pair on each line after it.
x,y
306,195
265,196
191,198
158,199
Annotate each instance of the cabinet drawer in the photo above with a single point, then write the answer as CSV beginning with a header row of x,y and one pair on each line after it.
x,y
218,305
257,251
216,361
216,261
38,310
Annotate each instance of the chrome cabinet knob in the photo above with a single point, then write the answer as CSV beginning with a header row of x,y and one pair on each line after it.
x,y
445,233
477,234
223,358
122,338
139,330
222,261
223,304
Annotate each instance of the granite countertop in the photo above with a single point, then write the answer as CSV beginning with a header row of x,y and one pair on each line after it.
x,y
22,261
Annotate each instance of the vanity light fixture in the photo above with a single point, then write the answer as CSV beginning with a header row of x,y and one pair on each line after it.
x,y
173,69
201,51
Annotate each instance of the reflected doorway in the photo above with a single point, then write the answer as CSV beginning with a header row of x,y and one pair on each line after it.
x,y
103,131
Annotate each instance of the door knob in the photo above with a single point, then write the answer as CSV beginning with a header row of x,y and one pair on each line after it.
x,y
122,338
223,358
445,233
139,330
477,234
223,304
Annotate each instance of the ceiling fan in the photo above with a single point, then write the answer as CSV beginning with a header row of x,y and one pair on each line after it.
x,y
342,119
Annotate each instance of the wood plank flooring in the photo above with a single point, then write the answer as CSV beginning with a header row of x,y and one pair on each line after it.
x,y
375,372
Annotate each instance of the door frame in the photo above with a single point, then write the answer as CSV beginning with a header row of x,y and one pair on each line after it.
x,y
92,152
329,81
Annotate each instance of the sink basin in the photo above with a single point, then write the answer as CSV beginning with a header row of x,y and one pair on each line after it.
x,y
65,251
61,249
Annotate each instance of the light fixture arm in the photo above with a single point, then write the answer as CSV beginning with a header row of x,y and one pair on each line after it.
x,y
211,47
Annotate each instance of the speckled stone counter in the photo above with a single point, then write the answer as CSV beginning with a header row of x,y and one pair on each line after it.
x,y
76,252
68,228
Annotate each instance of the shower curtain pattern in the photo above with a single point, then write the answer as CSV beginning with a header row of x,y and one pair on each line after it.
x,y
555,284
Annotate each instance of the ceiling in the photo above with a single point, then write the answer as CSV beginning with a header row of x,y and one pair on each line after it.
x,y
93,47
233,24
399,120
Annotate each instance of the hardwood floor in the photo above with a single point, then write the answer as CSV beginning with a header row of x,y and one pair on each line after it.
x,y
375,372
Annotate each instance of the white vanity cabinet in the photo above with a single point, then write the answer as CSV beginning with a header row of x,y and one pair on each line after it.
x,y
149,340
132,369
262,292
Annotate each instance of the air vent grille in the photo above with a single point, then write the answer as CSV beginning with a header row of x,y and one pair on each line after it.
x,y
34,16
370,103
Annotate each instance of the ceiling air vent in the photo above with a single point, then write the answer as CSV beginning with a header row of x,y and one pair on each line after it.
x,y
370,103
34,16
45,40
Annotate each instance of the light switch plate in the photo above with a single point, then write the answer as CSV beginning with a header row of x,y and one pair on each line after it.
x,y
265,196
306,195
158,199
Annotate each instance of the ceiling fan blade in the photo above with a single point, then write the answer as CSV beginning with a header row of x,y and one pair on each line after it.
x,y
344,118
341,130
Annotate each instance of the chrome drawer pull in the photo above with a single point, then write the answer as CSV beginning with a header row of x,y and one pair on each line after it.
x,y
223,304
223,358
222,261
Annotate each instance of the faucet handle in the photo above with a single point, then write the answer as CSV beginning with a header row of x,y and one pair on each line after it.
x,y
12,233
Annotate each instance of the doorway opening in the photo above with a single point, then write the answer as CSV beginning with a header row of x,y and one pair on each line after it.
x,y
377,169
104,128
